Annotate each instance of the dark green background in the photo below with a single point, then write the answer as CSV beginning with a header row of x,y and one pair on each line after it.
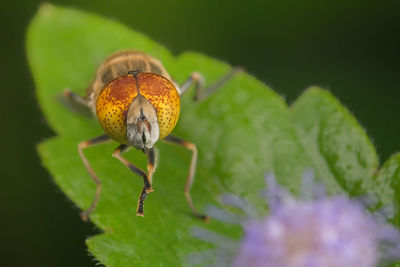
x,y
352,48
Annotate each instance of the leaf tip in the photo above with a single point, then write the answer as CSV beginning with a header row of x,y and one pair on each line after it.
x,y
46,8
317,90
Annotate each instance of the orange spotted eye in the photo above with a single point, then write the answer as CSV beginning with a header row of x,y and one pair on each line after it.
x,y
116,97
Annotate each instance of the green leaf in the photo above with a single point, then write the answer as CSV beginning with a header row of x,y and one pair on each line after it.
x,y
242,131
386,186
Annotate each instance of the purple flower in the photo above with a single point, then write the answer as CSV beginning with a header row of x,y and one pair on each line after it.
x,y
327,232
317,231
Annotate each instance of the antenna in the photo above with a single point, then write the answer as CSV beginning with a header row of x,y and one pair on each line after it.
x,y
135,73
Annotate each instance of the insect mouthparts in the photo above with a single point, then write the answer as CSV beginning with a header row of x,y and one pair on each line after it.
x,y
141,117
144,138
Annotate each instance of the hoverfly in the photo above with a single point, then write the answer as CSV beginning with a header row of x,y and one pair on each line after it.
x,y
137,104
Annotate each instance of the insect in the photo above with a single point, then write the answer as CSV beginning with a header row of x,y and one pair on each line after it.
x,y
137,104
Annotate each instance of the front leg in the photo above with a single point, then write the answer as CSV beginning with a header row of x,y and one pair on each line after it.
x,y
147,179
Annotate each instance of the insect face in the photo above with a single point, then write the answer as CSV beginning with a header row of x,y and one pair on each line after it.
x,y
142,125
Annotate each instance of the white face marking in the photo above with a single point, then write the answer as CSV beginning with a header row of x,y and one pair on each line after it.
x,y
142,125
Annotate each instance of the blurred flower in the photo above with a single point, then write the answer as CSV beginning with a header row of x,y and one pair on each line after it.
x,y
313,232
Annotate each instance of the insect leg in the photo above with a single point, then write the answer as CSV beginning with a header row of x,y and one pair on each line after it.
x,y
151,165
76,102
147,182
192,170
82,145
198,80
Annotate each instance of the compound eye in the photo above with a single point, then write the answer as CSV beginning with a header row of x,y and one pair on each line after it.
x,y
163,96
112,106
